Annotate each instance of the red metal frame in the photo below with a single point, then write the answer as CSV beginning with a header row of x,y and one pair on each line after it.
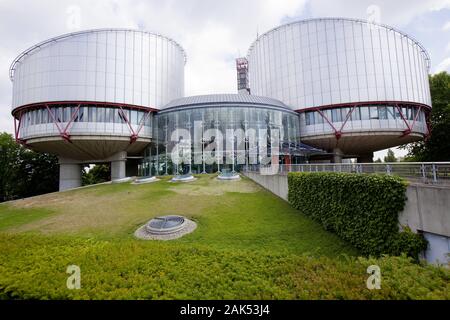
x,y
134,134
364,103
92,103
396,104
64,132
336,132
17,129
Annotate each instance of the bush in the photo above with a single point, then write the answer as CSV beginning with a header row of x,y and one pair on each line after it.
x,y
360,208
34,267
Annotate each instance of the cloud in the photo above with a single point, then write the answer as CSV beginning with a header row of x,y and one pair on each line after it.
x,y
212,33
444,65
446,26
397,13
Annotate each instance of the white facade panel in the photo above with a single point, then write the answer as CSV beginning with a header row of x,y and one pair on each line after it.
x,y
116,66
321,62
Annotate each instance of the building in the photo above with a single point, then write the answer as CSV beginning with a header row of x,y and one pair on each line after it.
x,y
344,87
90,97
235,129
359,87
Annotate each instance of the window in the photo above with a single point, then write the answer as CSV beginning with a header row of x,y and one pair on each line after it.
x,y
364,113
100,114
309,117
109,115
92,114
356,114
134,117
117,116
80,116
66,114
336,115
374,113
45,116
382,112
390,113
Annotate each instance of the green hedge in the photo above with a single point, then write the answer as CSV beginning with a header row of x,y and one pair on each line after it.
x,y
360,208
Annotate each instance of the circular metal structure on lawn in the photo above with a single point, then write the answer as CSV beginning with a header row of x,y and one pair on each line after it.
x,y
122,180
183,178
165,225
230,176
165,228
143,180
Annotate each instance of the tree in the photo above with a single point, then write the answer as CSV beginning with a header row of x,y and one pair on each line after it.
x,y
390,157
378,160
97,174
25,173
437,146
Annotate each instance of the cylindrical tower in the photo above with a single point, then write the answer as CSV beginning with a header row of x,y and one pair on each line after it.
x,y
89,96
359,87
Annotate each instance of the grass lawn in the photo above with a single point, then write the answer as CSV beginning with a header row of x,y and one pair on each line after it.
x,y
249,244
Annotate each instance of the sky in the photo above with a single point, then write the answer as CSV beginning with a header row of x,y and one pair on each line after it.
x,y
213,33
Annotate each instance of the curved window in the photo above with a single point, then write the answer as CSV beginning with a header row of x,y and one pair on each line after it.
x,y
86,114
365,113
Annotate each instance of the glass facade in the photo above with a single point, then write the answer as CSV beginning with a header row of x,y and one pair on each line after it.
x,y
87,113
250,126
88,119
373,112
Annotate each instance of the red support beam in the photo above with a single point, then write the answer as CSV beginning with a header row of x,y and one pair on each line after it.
x,y
54,119
96,103
336,132
141,124
65,134
396,105
408,130
365,103
349,113
17,126
133,136
415,117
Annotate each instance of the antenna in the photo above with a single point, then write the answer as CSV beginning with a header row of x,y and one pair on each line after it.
x,y
242,75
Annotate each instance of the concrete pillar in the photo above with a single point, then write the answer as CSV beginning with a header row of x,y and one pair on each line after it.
x,y
337,155
69,174
365,158
118,165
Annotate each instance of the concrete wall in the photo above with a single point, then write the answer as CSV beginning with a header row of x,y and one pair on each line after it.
x,y
427,210
69,174
277,184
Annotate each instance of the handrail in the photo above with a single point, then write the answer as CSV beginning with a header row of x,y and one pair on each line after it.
x,y
423,172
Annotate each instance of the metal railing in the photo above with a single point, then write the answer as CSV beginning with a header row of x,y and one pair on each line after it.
x,y
420,172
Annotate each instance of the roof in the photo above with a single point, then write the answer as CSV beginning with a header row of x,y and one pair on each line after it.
x,y
47,42
422,49
221,99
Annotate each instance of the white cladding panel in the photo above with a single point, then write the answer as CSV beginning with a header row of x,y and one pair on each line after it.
x,y
118,66
333,61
